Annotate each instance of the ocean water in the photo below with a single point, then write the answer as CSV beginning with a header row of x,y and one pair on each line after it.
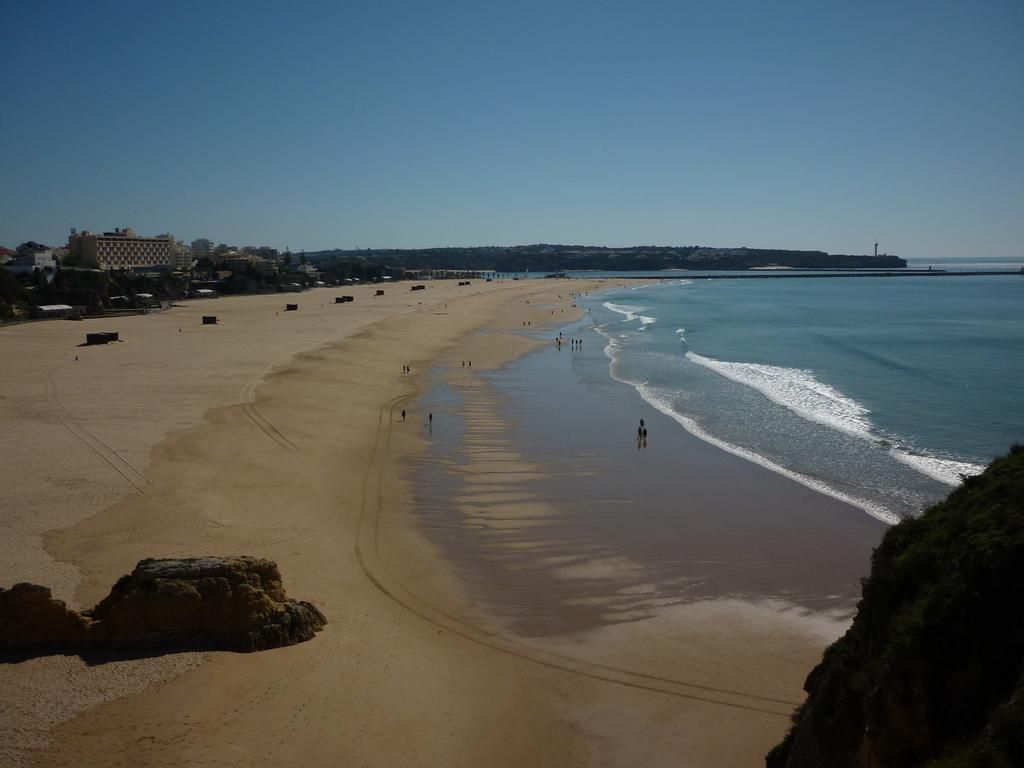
x,y
944,264
882,392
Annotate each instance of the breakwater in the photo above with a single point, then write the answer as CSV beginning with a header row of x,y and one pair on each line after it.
x,y
812,275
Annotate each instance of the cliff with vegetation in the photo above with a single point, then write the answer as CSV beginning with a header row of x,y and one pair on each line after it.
x,y
931,673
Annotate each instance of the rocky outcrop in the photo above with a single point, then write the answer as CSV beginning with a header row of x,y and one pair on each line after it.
x,y
235,603
932,670
31,618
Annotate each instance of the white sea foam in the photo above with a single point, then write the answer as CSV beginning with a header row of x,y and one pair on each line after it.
x,y
809,398
653,399
681,332
630,312
797,390
944,470
623,309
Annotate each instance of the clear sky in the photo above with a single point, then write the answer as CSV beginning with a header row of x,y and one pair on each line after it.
x,y
379,124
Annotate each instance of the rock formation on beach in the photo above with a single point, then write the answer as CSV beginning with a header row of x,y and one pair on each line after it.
x,y
234,603
932,670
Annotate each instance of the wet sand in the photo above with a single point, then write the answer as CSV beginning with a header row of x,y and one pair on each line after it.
x,y
565,522
279,436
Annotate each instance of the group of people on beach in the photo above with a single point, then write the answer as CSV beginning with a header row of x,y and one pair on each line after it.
x,y
641,435
574,343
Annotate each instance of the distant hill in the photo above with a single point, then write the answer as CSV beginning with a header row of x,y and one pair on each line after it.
x,y
550,258
931,673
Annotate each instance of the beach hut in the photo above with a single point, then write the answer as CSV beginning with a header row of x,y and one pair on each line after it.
x,y
290,307
101,337
380,292
52,311
209,319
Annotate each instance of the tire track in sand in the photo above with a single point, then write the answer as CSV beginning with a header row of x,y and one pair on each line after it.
x,y
132,476
247,396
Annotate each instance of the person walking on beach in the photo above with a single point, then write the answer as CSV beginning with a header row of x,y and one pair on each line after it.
x,y
430,418
403,414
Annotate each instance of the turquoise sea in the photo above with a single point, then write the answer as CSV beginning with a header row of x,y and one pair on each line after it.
x,y
879,391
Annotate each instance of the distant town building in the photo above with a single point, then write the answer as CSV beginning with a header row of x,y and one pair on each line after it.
x,y
181,257
32,247
31,257
121,249
34,255
202,248
243,262
263,251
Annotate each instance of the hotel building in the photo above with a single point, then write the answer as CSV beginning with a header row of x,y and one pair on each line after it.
x,y
121,249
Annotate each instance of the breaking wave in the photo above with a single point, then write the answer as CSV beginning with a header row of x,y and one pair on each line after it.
x,y
797,390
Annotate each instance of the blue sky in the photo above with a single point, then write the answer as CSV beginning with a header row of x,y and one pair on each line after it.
x,y
315,125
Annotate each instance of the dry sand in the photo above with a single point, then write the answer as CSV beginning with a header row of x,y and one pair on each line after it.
x,y
277,434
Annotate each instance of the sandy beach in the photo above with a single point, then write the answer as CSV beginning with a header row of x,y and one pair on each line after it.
x,y
279,435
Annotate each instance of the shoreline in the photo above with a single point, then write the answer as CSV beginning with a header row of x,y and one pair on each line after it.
x,y
558,424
